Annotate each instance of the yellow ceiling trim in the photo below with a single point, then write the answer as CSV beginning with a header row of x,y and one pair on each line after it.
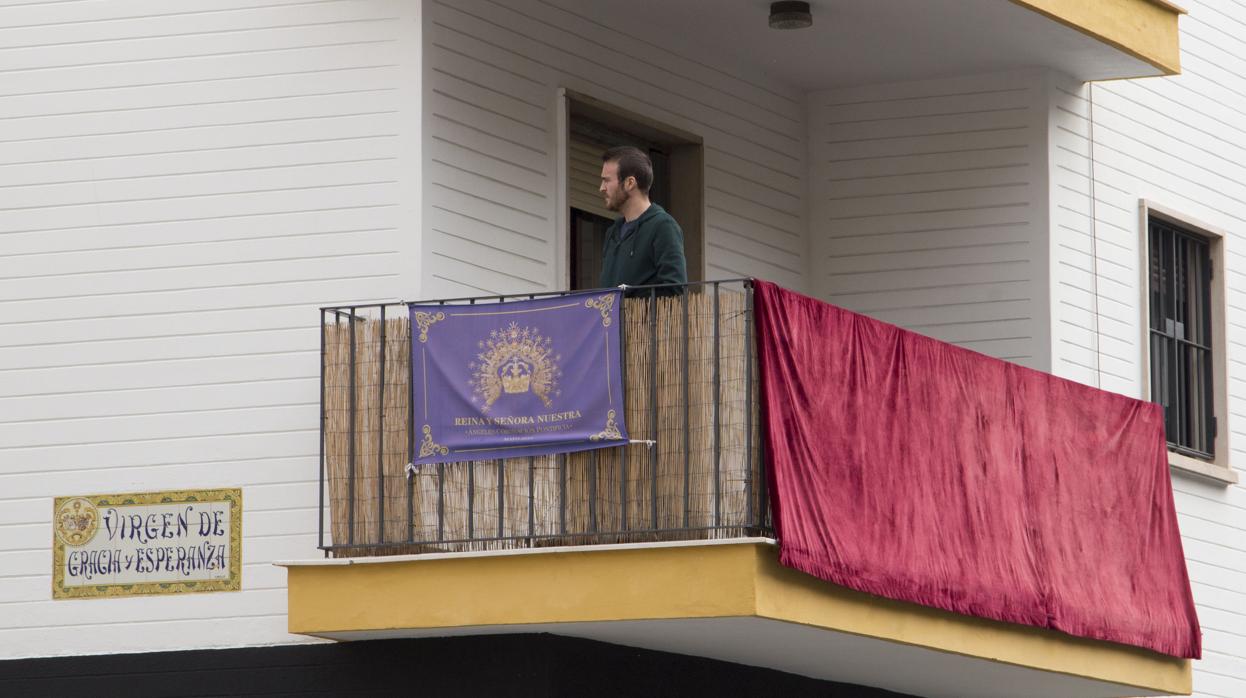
x,y
650,583
1145,29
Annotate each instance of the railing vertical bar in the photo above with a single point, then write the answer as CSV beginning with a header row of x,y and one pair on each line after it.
x,y
337,324
623,410
410,508
748,404
500,473
471,487
653,406
717,424
441,501
687,411
350,483
410,433
622,451
323,420
763,500
531,495
592,490
380,439
501,497
562,493
441,489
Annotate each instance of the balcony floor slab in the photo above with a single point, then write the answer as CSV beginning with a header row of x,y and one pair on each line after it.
x,y
728,600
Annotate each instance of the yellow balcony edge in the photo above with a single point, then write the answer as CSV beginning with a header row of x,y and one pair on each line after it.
x,y
789,595
1144,29
559,587
678,582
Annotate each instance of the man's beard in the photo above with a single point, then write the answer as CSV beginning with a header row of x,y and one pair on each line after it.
x,y
616,203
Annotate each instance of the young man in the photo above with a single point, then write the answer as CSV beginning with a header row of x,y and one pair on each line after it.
x,y
645,245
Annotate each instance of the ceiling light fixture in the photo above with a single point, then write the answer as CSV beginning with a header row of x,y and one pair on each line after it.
x,y
790,15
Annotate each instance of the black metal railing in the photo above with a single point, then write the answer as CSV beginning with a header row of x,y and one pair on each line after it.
x,y
694,469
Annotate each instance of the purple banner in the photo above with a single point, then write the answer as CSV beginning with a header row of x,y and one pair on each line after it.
x,y
523,378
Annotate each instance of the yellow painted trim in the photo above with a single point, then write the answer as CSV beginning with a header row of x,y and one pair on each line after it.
x,y
647,583
785,594
1145,29
670,583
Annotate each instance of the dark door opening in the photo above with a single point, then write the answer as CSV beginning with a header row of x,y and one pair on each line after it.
x,y
588,238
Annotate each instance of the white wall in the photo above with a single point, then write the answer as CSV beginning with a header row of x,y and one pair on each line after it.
x,y
1179,142
181,186
928,208
492,76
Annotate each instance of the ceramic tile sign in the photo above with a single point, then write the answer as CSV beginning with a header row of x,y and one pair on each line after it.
x,y
147,543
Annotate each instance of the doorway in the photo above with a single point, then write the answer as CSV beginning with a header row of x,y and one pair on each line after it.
x,y
678,176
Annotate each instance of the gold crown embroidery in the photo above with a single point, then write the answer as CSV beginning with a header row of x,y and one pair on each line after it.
x,y
515,360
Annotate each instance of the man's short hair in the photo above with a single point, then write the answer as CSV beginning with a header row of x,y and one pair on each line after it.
x,y
633,162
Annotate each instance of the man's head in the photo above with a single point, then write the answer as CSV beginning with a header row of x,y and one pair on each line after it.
x,y
626,172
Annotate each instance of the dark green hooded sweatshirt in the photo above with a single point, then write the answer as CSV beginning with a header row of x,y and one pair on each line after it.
x,y
652,254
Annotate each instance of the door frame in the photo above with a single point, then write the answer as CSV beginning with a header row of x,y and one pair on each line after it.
x,y
687,181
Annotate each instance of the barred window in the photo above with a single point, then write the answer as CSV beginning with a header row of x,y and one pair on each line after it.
x,y
1181,336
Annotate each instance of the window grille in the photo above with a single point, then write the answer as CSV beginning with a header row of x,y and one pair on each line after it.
x,y
1180,319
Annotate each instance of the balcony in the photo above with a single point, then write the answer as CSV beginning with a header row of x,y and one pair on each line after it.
x,y
664,543
694,471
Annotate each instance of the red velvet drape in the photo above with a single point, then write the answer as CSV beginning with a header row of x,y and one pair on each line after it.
x,y
912,469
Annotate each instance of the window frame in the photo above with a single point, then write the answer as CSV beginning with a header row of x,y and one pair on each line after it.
x,y
1217,467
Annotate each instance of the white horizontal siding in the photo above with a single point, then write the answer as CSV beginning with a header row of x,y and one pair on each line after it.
x,y
584,176
181,185
1179,142
927,208
491,84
